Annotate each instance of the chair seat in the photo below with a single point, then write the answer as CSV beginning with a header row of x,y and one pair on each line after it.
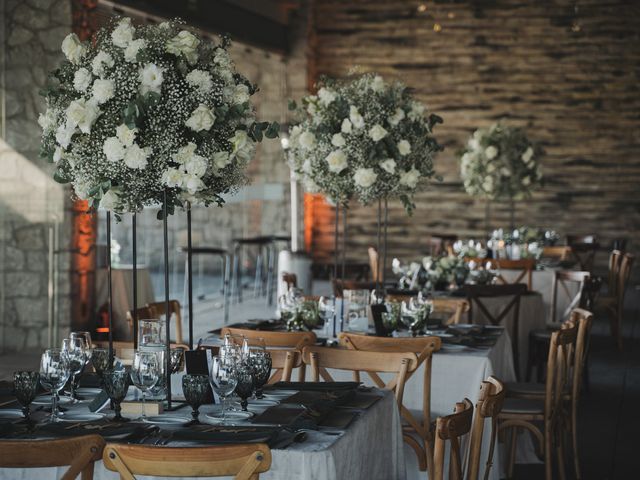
x,y
530,389
523,405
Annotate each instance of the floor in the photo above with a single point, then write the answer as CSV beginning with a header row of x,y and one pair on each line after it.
x,y
609,415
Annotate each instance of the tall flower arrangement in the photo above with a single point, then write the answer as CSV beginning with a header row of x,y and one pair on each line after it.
x,y
500,163
363,138
148,108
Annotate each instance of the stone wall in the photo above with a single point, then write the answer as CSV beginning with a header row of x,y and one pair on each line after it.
x,y
31,204
565,71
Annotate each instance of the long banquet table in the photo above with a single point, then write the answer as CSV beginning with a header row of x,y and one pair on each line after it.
x,y
370,448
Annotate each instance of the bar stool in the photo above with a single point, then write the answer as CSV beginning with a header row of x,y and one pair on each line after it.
x,y
263,245
225,258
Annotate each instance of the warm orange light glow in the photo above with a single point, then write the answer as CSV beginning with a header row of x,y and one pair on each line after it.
x,y
102,330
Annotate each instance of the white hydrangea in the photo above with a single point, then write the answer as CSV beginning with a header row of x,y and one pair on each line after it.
x,y
136,157
81,80
196,165
202,118
200,80
172,177
192,183
397,117
133,48
307,140
123,33
184,43
377,84
337,140
365,177
243,147
417,111
240,94
356,119
491,152
150,78
82,113
527,156
113,149
47,120
58,154
110,200
346,126
410,178
103,90
73,48
64,133
404,147
184,153
126,135
221,159
326,96
377,133
388,165
337,161
100,63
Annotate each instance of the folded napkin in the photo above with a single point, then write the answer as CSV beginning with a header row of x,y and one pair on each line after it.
x,y
339,419
206,434
293,417
314,386
129,430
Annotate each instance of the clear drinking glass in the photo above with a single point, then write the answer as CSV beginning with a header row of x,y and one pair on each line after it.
x,y
145,372
326,307
54,373
75,350
223,380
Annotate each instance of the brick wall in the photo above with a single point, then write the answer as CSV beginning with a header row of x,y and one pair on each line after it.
x,y
568,74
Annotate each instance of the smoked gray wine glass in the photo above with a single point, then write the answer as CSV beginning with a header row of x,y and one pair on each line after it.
x,y
25,387
195,389
116,384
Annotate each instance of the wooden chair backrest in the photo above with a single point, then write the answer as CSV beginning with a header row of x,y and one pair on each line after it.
x,y
614,266
623,277
455,307
490,401
584,320
559,361
424,347
290,279
452,428
322,358
525,266
245,462
125,350
583,248
563,278
143,313
283,361
79,453
374,264
557,252
158,310
274,339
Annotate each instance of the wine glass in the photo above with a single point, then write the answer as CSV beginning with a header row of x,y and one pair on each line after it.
x,y
54,373
25,387
116,384
326,307
195,389
260,362
100,361
244,383
223,379
145,372
88,347
75,350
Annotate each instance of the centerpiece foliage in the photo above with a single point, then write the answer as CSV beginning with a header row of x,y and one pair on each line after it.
x,y
363,138
148,108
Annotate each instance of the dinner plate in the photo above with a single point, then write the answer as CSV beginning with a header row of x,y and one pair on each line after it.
x,y
166,420
450,347
46,400
10,414
263,402
439,333
230,416
81,417
277,394
88,391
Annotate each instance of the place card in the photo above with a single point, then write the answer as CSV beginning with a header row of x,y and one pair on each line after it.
x,y
151,407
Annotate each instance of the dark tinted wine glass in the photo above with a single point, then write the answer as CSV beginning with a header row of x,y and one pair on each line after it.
x,y
116,384
244,388
195,389
25,387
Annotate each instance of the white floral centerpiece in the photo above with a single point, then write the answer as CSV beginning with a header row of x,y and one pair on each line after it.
x,y
148,108
500,163
363,137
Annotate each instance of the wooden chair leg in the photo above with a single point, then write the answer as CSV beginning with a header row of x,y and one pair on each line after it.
x,y
574,441
512,451
431,469
87,473
548,459
619,329
561,463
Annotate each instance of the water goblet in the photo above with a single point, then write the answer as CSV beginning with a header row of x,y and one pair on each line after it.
x,y
195,389
145,372
116,384
100,361
75,350
244,384
223,380
54,373
25,387
260,362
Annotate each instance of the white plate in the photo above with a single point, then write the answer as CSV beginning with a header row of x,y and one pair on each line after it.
x,y
10,414
263,402
46,400
230,416
167,420
88,391
448,347
81,417
439,333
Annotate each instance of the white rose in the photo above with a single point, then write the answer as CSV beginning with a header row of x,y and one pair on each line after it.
x,y
356,119
505,172
73,48
240,94
201,80
113,149
221,159
404,147
365,177
310,186
136,157
58,154
100,62
103,90
184,43
337,161
222,58
346,126
126,135
527,155
377,84
491,167
201,119
109,200
306,166
473,143
196,165
397,117
185,153
82,113
47,120
388,165
326,96
192,183
132,50
64,134
81,80
526,181
150,77
172,177
487,185
123,33
307,140
417,111
338,140
491,152
243,147
377,133
410,178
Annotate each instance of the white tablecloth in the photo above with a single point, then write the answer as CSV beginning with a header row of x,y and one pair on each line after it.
x,y
122,293
371,448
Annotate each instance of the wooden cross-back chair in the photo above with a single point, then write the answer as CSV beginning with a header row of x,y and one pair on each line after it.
x,y
583,249
489,405
414,427
525,266
158,310
477,295
245,462
143,313
557,252
454,307
452,428
273,340
613,303
290,280
79,453
523,413
322,358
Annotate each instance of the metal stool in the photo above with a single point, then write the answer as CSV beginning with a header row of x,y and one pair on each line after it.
x,y
226,266
263,245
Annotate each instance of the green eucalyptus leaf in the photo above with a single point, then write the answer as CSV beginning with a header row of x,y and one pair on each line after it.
x,y
60,177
